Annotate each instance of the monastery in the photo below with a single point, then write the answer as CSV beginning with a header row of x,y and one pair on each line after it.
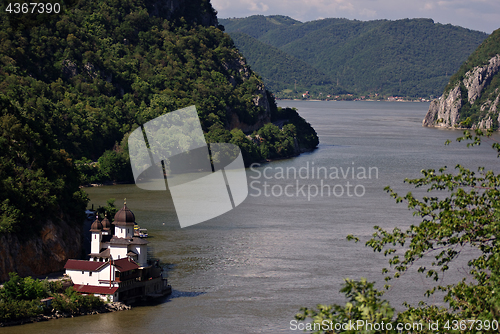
x,y
118,268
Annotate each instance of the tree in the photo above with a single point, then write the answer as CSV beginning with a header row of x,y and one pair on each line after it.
x,y
463,211
18,288
114,166
364,305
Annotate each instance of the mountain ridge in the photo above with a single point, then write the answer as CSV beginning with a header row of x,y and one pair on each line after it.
x,y
408,57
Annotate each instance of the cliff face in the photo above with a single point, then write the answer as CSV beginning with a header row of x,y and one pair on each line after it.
x,y
43,254
446,111
472,96
238,65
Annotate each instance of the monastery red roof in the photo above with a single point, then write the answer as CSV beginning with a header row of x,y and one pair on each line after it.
x,y
103,290
83,265
121,265
125,264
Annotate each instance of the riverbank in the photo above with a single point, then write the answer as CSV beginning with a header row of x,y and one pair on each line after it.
x,y
53,314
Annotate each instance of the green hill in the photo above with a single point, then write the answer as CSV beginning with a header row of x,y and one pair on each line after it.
x,y
410,57
74,84
282,72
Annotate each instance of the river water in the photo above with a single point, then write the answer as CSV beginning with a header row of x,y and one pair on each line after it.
x,y
251,269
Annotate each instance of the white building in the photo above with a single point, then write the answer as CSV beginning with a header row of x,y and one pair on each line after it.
x,y
118,269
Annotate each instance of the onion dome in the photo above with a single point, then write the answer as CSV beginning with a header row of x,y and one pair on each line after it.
x,y
96,225
106,224
124,217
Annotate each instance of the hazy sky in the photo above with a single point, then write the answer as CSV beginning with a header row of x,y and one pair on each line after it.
x,y
483,15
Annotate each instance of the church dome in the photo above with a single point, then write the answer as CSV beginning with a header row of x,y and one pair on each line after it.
x,y
124,216
96,225
106,225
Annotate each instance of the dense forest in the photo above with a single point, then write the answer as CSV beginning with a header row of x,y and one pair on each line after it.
x,y
74,84
410,57
282,72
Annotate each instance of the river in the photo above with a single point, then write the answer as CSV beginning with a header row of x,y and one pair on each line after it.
x,y
251,269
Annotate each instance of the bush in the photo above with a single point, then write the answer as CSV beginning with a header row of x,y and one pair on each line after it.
x,y
73,302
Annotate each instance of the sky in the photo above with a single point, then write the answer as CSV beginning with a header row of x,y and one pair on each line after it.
x,y
482,15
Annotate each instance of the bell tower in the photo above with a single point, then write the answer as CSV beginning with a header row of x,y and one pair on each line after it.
x,y
96,236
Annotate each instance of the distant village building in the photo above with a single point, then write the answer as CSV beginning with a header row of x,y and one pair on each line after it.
x,y
118,268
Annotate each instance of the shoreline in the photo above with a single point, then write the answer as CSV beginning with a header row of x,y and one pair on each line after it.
x,y
354,100
106,308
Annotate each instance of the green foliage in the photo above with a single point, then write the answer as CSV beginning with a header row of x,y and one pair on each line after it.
x,y
306,135
275,143
410,57
270,142
114,166
20,297
363,304
96,73
19,309
249,149
37,178
109,209
73,302
18,288
467,217
280,70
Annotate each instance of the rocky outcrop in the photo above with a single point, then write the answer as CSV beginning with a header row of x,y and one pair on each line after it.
x,y
468,93
238,64
42,254
444,111
479,77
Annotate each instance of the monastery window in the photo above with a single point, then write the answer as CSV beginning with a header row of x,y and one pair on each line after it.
x,y
90,273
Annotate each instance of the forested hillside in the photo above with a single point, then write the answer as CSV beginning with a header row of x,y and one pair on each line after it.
x,y
75,83
279,69
410,57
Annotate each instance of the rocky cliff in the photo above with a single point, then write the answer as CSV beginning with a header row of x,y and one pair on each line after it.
x,y
44,253
471,98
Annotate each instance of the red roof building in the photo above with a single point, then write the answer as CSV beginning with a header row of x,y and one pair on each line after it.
x,y
93,289
83,265
118,269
